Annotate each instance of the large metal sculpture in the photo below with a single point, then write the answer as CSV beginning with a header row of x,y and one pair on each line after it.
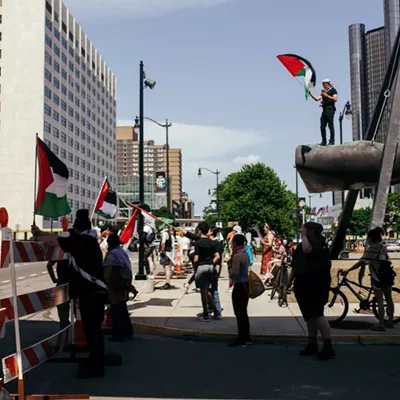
x,y
362,164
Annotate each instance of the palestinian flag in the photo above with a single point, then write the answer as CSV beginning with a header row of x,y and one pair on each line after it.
x,y
299,67
51,199
106,205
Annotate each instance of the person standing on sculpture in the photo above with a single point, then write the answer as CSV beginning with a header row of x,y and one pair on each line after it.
x,y
328,99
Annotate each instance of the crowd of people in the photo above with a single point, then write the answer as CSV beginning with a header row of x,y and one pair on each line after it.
x,y
99,272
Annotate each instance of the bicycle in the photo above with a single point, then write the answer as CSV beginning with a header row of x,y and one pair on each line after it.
x,y
280,283
366,304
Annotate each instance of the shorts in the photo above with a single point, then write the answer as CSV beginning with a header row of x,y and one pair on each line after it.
x,y
204,276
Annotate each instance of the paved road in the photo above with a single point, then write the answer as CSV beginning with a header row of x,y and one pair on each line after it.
x,y
156,368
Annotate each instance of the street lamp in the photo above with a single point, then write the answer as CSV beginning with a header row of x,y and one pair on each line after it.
x,y
216,173
143,83
167,125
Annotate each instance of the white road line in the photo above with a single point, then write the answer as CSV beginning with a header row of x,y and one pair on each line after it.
x,y
20,278
5,281
33,275
44,272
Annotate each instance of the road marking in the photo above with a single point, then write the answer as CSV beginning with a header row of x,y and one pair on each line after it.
x,y
44,272
20,278
33,275
5,281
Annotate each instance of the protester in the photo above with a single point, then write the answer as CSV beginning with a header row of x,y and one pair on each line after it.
x,y
88,283
166,259
147,239
268,251
239,273
278,257
213,293
118,278
205,257
311,275
377,259
184,244
328,99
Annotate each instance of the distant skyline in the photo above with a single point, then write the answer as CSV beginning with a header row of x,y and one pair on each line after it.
x,y
218,80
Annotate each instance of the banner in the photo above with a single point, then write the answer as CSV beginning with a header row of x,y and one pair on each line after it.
x,y
161,182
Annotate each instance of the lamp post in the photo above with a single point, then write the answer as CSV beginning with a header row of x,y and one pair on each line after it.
x,y
143,83
216,173
297,200
167,125
346,112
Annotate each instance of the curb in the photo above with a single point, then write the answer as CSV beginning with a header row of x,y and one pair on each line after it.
x,y
199,335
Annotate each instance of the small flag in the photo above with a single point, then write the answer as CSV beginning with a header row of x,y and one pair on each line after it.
x,y
130,228
51,199
106,204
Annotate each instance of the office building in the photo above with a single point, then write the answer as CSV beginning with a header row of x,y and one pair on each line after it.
x,y
391,14
155,168
55,83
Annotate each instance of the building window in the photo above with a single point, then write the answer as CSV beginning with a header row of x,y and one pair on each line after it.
x,y
47,92
63,137
70,111
83,191
56,50
71,66
55,149
56,116
63,90
56,132
49,8
70,126
48,58
77,146
63,121
63,153
77,160
47,109
64,73
70,141
56,99
77,131
48,40
63,104
77,192
56,83
70,96
70,157
64,58
56,66
49,24
47,127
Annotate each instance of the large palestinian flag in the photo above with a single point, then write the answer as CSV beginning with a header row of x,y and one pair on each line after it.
x,y
106,205
51,199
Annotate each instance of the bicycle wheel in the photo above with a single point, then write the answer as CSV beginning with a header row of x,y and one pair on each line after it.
x,y
275,284
396,296
283,289
338,306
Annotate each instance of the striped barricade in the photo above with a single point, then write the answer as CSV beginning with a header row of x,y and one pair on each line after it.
x,y
27,251
35,302
36,354
3,315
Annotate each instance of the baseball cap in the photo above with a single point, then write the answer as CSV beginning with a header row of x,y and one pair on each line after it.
x,y
237,228
326,80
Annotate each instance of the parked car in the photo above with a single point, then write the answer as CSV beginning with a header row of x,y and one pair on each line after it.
x,y
392,246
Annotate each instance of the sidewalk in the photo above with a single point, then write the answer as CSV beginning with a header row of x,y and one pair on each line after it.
x,y
173,313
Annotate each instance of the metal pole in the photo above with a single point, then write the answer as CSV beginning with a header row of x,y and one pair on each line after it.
x,y
217,192
168,178
140,275
297,204
309,201
341,142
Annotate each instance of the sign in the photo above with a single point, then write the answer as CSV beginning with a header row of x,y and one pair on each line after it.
x,y
161,182
213,207
302,202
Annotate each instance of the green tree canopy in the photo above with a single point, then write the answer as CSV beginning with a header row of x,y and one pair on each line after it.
x,y
360,221
255,195
163,212
392,218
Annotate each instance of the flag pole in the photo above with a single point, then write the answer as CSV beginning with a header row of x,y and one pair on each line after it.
x,y
98,196
150,214
34,183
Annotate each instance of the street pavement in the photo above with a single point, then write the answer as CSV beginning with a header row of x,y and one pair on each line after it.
x,y
163,368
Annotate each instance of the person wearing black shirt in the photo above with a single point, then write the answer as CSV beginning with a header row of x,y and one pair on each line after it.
x,y
205,257
214,294
328,99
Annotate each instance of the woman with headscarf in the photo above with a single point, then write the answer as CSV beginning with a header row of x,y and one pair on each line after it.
x,y
311,274
268,251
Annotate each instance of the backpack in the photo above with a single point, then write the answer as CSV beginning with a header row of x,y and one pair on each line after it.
x,y
385,273
151,237
250,254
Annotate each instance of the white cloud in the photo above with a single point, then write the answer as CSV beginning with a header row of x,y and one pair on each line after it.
x,y
246,160
136,7
210,147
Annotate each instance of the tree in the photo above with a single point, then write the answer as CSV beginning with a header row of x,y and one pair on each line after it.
x,y
392,217
255,195
360,221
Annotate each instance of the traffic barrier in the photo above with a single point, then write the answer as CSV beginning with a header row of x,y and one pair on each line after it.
x,y
178,264
3,315
32,303
36,354
27,251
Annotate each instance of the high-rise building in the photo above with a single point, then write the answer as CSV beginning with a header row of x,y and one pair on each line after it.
x,y
155,168
391,14
55,83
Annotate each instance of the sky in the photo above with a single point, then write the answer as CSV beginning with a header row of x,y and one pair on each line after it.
x,y
219,82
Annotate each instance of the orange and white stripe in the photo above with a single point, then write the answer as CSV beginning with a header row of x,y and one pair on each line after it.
x,y
36,354
3,315
35,302
27,251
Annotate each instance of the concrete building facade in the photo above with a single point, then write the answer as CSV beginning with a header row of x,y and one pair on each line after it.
x,y
155,167
55,83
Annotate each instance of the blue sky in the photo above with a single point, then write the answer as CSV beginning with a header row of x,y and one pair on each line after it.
x,y
218,79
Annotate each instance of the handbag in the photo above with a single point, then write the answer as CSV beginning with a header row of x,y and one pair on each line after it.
x,y
256,285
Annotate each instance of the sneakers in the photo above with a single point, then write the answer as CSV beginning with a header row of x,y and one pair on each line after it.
x,y
238,343
217,316
135,293
323,143
331,143
309,350
167,286
203,318
327,353
186,287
